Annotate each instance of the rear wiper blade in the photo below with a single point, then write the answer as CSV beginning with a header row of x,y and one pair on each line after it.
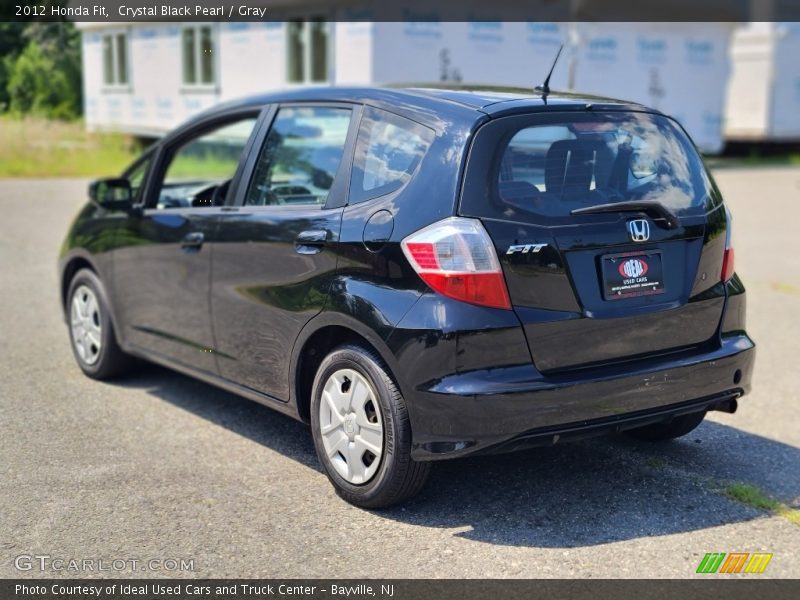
x,y
650,207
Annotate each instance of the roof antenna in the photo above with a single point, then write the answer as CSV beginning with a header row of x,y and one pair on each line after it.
x,y
545,87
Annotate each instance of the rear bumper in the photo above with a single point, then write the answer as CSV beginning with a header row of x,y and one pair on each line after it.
x,y
505,409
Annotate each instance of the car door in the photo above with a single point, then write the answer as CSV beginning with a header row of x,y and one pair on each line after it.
x,y
162,266
273,265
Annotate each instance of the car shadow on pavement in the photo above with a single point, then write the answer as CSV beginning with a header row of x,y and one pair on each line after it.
x,y
582,493
607,489
244,417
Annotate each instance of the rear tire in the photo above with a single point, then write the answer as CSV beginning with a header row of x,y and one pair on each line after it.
x,y
354,404
91,331
659,432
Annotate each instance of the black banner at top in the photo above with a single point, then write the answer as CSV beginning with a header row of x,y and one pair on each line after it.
x,y
132,11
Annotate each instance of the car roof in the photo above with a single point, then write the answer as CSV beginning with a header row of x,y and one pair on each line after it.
x,y
427,101
483,98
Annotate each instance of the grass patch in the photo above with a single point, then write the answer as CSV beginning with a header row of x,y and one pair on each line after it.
x,y
656,463
790,514
753,160
786,288
752,496
202,167
758,159
32,147
755,497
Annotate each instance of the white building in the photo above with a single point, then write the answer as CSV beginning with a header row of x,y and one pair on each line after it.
x,y
681,69
146,78
764,92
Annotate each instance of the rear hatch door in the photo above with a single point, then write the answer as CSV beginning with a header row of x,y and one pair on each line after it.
x,y
610,232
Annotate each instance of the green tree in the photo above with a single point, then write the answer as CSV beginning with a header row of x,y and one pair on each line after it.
x,y
12,42
45,77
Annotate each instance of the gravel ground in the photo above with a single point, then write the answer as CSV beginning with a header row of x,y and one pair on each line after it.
x,y
162,466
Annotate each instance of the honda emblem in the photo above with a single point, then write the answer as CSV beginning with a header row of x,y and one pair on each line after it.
x,y
639,230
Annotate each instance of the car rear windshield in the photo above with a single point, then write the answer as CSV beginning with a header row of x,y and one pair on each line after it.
x,y
540,167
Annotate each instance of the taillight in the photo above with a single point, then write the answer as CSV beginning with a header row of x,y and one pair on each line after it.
x,y
727,258
727,265
456,258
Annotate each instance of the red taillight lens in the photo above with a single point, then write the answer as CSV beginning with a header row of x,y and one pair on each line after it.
x,y
727,258
456,258
486,289
727,264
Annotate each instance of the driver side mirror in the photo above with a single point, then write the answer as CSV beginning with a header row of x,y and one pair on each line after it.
x,y
113,194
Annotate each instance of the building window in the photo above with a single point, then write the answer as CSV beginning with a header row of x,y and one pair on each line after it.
x,y
307,51
198,56
115,59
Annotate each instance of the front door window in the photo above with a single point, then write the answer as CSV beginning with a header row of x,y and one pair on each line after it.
x,y
200,170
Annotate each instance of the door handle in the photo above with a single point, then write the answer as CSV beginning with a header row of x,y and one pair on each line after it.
x,y
193,241
310,242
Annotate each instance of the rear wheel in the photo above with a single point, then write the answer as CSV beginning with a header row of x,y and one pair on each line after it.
x,y
659,432
91,331
361,430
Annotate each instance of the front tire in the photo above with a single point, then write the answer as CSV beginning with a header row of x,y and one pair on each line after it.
x,y
91,331
660,432
361,430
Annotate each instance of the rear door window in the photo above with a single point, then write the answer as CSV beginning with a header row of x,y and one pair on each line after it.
x,y
541,167
388,151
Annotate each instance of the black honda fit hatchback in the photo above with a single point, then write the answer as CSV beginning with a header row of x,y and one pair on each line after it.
x,y
421,274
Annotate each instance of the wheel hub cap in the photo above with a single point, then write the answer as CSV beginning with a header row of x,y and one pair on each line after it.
x,y
86,325
351,425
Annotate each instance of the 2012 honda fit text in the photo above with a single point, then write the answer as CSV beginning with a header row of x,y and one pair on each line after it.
x,y
421,274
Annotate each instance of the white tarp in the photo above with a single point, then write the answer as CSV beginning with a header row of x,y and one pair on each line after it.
x,y
763,101
679,68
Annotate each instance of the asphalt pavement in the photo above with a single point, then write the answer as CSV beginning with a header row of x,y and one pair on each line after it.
x,y
160,466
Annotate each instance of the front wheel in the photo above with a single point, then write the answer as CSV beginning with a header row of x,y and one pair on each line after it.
x,y
91,331
660,432
361,430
